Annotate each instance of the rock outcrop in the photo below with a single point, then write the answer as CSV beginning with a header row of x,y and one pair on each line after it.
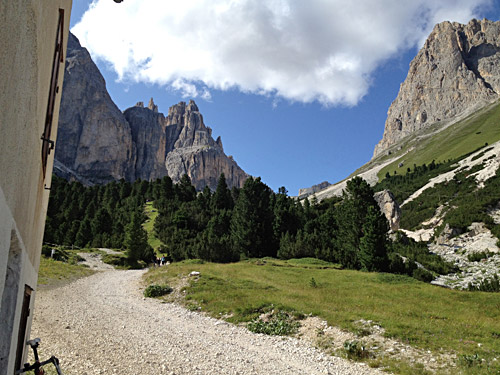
x,y
305,192
148,134
456,72
389,207
193,151
94,140
97,143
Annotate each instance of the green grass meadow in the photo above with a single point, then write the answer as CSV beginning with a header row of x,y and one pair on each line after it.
x,y
148,226
457,140
414,312
53,273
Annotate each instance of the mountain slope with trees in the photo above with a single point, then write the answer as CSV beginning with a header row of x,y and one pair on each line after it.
x,y
232,224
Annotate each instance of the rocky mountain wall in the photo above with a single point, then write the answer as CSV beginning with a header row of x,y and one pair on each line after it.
x,y
97,143
148,135
456,72
305,192
94,140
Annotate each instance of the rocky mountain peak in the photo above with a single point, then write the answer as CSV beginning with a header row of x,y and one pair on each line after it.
x,y
182,114
456,72
94,141
152,106
98,143
189,125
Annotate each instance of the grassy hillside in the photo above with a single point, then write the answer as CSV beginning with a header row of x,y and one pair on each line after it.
x,y
416,313
459,139
151,214
53,273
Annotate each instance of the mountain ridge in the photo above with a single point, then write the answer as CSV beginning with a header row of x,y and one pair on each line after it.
x,y
98,143
465,61
456,72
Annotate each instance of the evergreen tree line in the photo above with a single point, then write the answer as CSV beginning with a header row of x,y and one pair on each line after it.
x,y
228,224
254,222
405,184
96,216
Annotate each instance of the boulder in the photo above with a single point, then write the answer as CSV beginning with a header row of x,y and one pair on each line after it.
x,y
389,207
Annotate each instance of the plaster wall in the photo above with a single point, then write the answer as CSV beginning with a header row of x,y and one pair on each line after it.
x,y
28,31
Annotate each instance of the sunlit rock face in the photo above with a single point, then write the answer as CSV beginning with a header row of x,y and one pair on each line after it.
x,y
97,143
94,140
456,72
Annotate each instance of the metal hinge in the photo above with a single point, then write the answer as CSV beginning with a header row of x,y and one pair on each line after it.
x,y
49,141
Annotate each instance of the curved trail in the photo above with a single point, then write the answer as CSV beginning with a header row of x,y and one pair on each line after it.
x,y
102,325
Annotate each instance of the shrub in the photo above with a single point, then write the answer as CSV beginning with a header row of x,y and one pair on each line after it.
x,y
423,275
355,350
487,285
470,360
280,324
155,290
313,283
119,260
194,261
416,252
61,255
477,257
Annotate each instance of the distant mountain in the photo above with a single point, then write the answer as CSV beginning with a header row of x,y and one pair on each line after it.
x,y
437,167
456,72
97,143
452,83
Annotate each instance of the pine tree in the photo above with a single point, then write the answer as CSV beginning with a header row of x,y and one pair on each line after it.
x,y
101,223
136,240
374,243
351,214
84,235
219,240
222,199
185,191
251,223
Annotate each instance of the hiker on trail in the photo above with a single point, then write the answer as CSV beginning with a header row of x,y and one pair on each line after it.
x,y
163,260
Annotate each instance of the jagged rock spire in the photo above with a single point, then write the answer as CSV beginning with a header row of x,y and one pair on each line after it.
x,y
152,106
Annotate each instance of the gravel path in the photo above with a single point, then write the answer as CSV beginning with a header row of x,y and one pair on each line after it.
x,y
102,325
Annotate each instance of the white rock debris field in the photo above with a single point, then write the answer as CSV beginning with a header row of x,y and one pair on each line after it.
x,y
103,325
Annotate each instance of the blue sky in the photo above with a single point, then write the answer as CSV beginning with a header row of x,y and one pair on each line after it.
x,y
298,95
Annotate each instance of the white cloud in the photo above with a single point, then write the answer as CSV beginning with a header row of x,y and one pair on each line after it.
x,y
324,50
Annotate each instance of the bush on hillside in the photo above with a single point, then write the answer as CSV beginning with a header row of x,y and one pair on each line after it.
x,y
155,290
423,275
280,324
477,257
487,285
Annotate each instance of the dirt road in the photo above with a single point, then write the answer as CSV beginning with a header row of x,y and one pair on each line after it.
x,y
103,325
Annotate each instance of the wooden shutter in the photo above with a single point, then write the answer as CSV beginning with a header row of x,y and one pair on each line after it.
x,y
47,143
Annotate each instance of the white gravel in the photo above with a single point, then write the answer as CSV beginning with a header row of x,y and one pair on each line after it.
x,y
102,325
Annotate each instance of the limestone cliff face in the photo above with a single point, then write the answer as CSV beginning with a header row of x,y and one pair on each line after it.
x,y
148,135
97,143
193,151
456,71
305,192
94,140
